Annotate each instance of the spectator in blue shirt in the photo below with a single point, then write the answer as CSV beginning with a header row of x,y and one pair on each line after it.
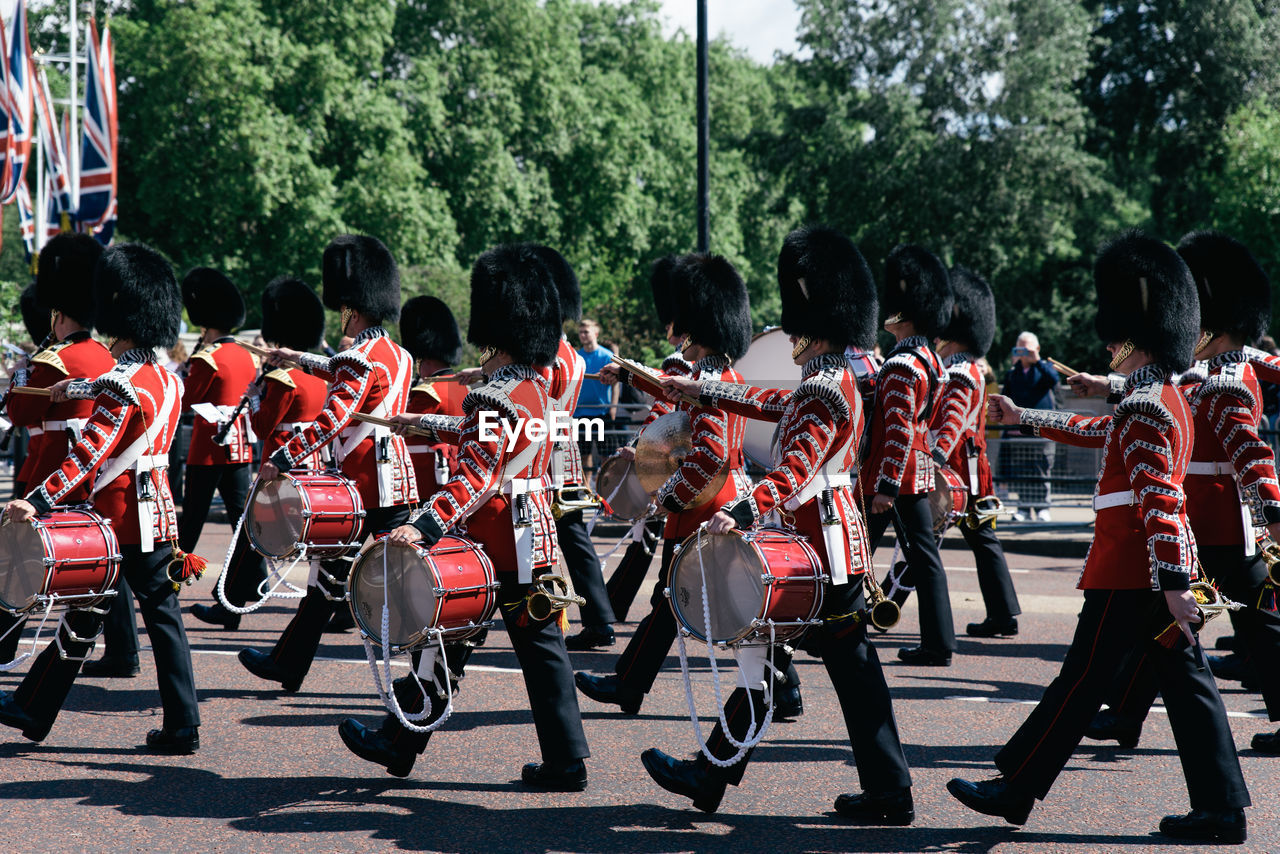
x,y
596,399
1025,463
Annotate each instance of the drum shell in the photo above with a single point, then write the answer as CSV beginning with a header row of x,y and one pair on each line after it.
x,y
620,489
767,364
949,498
70,556
784,575
322,511
448,588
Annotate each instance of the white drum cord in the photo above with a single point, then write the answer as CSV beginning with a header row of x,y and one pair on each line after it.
x,y
281,577
17,626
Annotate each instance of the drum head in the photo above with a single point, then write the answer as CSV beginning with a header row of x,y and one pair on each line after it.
x,y
406,581
618,486
22,569
767,364
735,586
275,518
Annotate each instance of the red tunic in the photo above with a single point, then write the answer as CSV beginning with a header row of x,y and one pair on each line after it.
x,y
566,377
1227,407
136,405
476,498
290,400
717,442
908,390
960,425
79,356
819,428
219,374
374,377
1146,449
431,459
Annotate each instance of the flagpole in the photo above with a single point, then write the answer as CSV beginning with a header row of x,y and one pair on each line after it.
x,y
41,202
73,144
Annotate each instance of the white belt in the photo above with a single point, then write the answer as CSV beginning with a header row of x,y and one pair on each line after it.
x,y
833,534
32,432
1207,468
50,426
293,426
419,449
523,486
1114,499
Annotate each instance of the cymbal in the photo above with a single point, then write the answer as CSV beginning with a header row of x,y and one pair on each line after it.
x,y
661,449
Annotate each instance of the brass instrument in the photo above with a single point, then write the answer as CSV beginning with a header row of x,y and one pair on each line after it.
x,y
1209,603
569,499
549,594
1271,556
981,511
882,612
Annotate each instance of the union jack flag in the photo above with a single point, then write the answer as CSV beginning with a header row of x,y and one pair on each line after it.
x,y
20,104
26,219
54,149
97,153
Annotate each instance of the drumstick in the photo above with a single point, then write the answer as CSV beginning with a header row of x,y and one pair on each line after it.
x,y
1063,369
266,354
591,376
383,422
35,392
636,370
449,378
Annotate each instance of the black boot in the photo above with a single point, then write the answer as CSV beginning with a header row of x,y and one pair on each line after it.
x,y
1207,825
12,714
112,667
1109,724
570,777
990,628
687,777
787,703
992,797
610,691
591,637
261,664
375,747
217,615
179,741
1267,742
891,808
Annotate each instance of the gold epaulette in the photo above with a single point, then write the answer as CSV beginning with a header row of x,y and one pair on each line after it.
x,y
205,354
429,390
283,376
49,356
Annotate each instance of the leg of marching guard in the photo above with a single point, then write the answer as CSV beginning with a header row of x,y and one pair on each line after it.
x,y
197,495
640,662
937,627
162,616
1129,699
11,630
994,581
584,570
120,626
628,577
245,575
233,486
34,705
1242,579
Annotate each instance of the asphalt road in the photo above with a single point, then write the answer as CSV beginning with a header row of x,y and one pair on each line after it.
x,y
272,775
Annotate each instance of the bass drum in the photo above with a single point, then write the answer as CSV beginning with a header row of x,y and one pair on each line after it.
x,y
767,364
620,490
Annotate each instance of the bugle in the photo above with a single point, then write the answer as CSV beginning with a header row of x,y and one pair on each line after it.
x,y
549,594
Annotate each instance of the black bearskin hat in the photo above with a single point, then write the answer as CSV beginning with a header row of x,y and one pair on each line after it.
x,y
514,305
34,315
566,283
64,276
360,273
212,300
136,296
973,314
1146,295
711,304
1235,294
827,288
916,286
664,301
292,315
428,330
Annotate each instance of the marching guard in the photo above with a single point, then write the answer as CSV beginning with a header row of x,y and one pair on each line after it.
x,y
1142,563
960,442
1231,481
119,463
282,402
828,301
498,497
898,473
373,376
429,332
713,319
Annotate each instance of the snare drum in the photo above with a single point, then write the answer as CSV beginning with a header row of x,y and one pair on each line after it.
x,y
620,490
753,577
948,500
447,589
767,364
68,558
319,511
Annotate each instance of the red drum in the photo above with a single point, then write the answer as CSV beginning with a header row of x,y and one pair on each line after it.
x,y
318,511
447,589
70,558
948,500
753,577
620,490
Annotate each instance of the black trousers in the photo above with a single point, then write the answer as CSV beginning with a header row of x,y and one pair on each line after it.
x,y
628,576
584,569
245,572
994,581
119,633
1111,623
296,648
47,684
855,672
1240,578
920,547
548,680
230,481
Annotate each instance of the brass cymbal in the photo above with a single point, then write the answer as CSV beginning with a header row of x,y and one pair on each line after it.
x,y
661,449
